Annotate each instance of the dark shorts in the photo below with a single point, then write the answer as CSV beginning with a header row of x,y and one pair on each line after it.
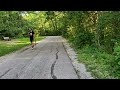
x,y
31,39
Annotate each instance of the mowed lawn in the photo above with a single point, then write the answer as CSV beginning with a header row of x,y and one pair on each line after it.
x,y
7,47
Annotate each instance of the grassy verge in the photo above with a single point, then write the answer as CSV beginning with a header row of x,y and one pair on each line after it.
x,y
99,63
7,47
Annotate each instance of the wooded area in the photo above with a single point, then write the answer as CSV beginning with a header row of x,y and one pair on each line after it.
x,y
98,29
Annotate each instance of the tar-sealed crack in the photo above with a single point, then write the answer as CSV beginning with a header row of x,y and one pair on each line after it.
x,y
57,54
52,71
52,67
5,72
22,69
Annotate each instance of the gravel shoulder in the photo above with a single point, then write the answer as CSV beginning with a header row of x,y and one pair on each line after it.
x,y
80,68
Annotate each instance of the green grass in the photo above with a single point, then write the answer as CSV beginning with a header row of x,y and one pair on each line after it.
x,y
7,47
99,63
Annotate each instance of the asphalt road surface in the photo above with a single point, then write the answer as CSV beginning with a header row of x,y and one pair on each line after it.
x,y
48,60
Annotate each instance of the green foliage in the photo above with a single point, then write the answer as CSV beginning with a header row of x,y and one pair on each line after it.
x,y
99,63
90,30
11,23
116,62
108,24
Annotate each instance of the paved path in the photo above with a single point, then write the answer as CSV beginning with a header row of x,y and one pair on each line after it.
x,y
48,60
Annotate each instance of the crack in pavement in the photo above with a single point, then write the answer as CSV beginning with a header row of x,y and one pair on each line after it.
x,y
17,77
52,67
21,71
5,72
57,53
52,71
28,63
51,50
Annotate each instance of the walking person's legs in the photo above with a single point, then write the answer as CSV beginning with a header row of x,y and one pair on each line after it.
x,y
32,44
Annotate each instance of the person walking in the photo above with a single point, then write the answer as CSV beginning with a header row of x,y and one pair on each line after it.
x,y
32,36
